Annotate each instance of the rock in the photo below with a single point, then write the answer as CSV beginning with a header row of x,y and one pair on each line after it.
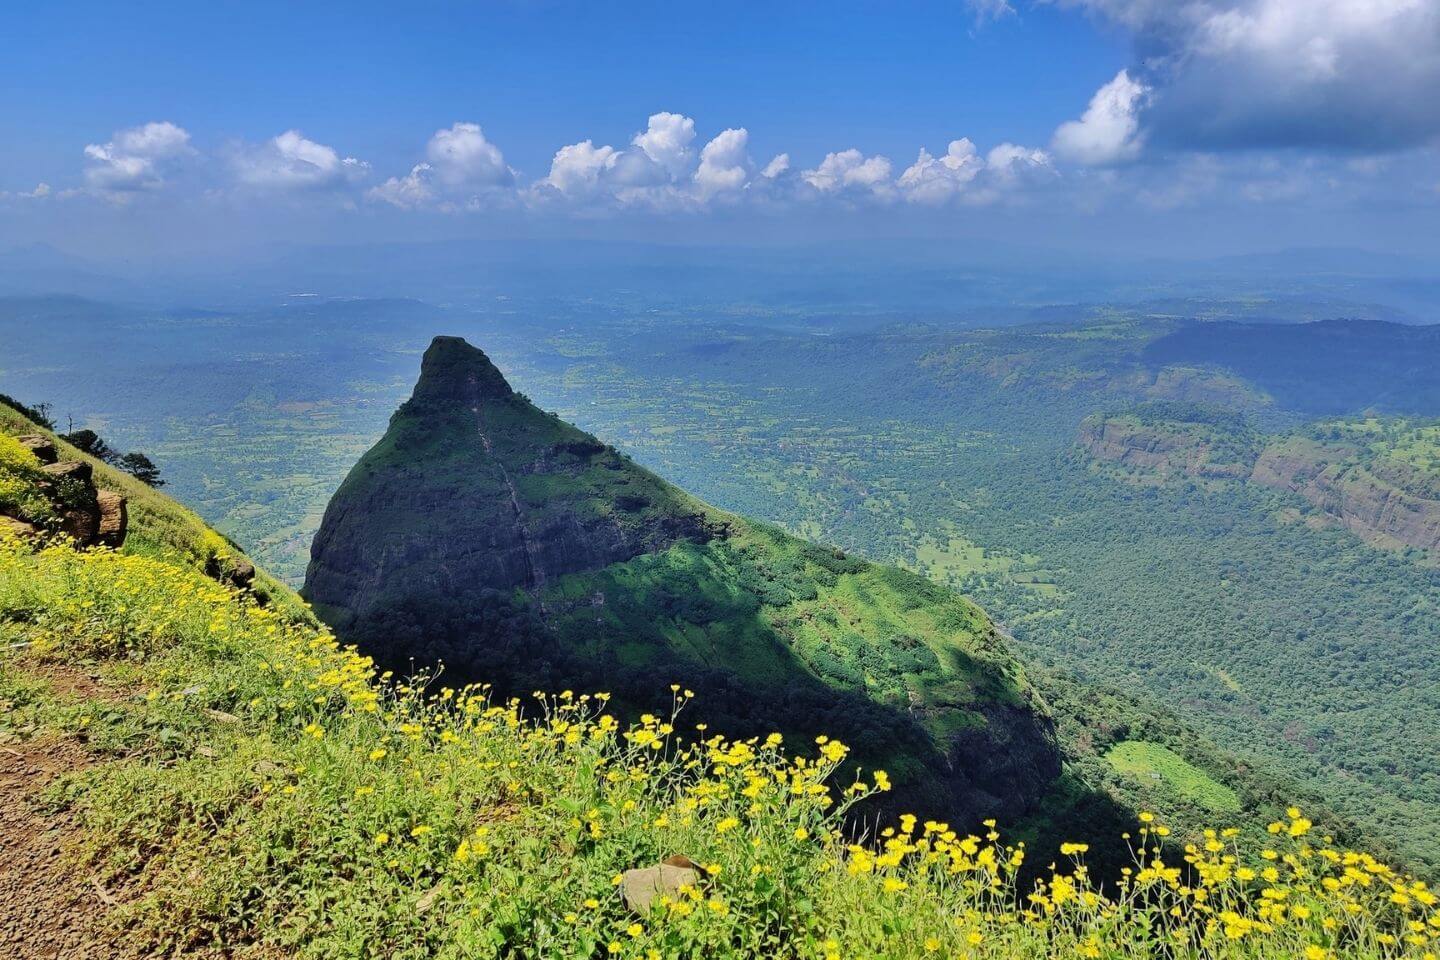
x,y
42,447
70,470
641,887
234,571
16,528
114,518
87,515
242,572
80,523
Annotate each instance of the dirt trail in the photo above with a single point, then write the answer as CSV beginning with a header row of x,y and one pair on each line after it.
x,y
48,909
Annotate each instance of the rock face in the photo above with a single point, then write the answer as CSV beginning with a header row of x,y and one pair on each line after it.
x,y
488,535
1387,503
42,447
1384,502
1154,450
114,518
474,489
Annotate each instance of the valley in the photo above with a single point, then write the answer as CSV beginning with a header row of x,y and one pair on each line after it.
x,y
1295,644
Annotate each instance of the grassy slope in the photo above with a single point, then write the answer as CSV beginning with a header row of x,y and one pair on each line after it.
x,y
260,789
159,526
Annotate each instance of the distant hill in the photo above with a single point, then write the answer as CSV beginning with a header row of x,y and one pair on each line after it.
x,y
487,534
1328,367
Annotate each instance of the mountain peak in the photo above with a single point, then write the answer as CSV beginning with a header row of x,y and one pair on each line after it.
x,y
453,368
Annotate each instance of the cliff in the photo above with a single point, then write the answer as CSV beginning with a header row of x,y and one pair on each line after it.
x,y
1160,450
1387,502
516,549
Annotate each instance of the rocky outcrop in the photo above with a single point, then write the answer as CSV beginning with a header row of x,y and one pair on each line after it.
x,y
83,512
42,447
1370,501
1387,503
1149,449
487,535
474,489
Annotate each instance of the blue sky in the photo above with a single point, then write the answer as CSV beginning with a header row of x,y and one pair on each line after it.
x,y
1124,121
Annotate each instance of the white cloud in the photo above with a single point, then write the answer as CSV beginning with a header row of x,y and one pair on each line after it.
x,y
1327,74
462,158
778,165
409,192
850,170
1010,163
934,180
290,161
138,158
724,164
666,141
462,169
1109,130
577,169
658,171
41,191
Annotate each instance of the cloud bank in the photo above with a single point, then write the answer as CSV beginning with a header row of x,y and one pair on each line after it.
x,y
1220,75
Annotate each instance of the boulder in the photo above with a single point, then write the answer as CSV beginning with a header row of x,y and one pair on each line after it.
x,y
114,518
235,571
16,528
70,470
42,447
242,572
640,887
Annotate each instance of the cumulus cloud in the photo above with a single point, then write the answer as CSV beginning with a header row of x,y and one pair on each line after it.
x,y
724,164
1011,163
963,174
850,170
462,168
666,142
409,192
657,171
290,162
135,159
1328,74
1109,130
777,166
934,180
462,158
577,169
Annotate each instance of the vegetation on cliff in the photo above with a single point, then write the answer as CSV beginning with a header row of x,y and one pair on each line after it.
x,y
489,536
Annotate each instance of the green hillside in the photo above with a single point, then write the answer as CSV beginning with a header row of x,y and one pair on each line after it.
x,y
220,778
487,535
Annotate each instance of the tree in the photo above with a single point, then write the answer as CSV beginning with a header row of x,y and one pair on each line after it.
x,y
88,441
40,413
142,468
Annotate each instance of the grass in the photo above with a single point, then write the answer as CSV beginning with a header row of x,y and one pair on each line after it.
x,y
159,526
266,788
1149,763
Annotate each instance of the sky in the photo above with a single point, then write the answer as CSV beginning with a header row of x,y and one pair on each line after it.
x,y
1185,127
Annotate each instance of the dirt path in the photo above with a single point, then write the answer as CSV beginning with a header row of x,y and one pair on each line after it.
x,y
47,909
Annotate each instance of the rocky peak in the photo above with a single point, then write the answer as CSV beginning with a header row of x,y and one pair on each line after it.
x,y
454,370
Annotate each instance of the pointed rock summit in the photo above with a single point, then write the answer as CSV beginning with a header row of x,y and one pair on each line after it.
x,y
486,534
475,489
454,370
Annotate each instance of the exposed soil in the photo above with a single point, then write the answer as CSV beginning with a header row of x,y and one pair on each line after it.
x,y
48,908
51,908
